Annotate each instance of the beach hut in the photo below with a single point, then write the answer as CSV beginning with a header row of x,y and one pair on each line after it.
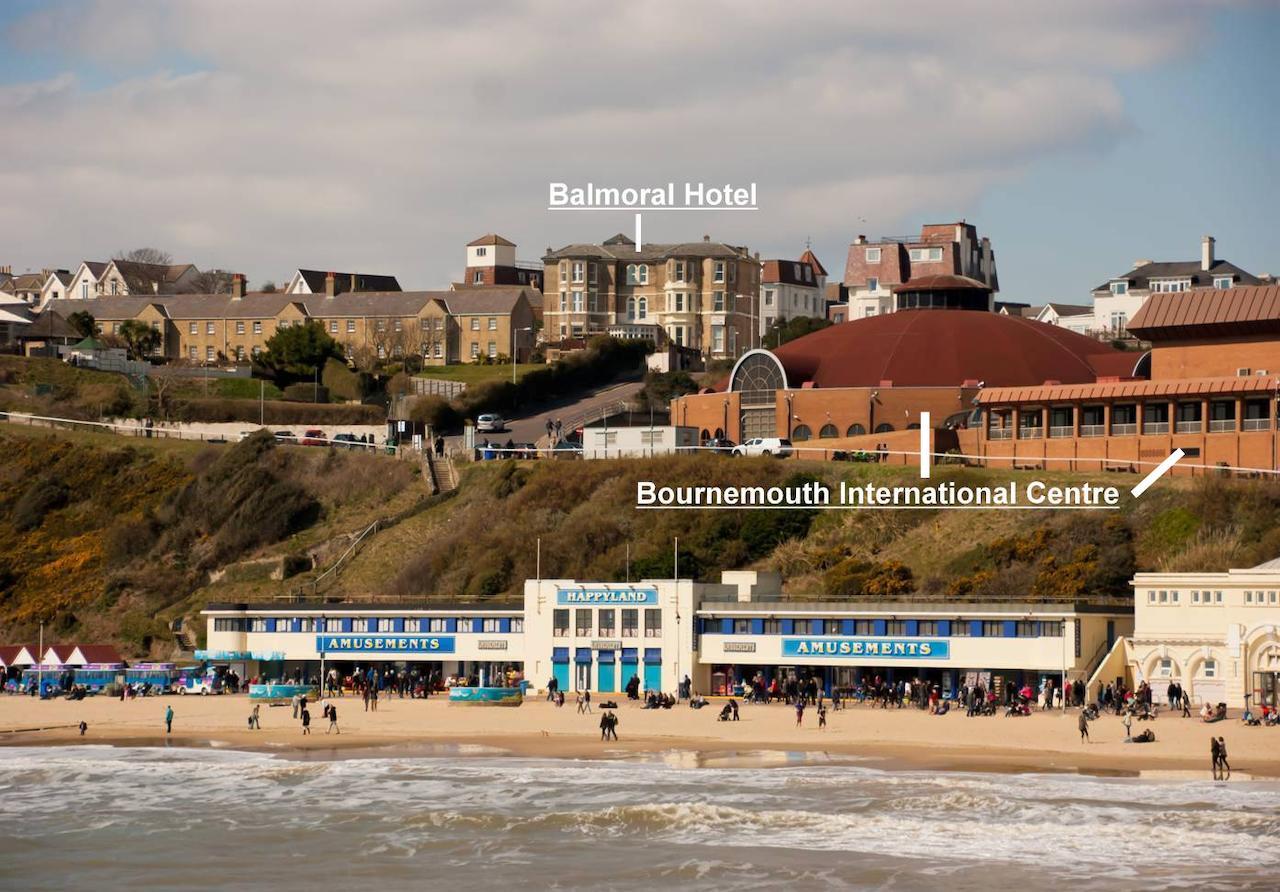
x,y
56,655
87,654
17,656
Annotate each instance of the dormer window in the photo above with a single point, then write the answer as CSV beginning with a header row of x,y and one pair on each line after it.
x,y
873,255
1119,288
1222,282
1170,286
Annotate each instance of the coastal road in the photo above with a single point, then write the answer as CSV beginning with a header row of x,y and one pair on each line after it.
x,y
531,428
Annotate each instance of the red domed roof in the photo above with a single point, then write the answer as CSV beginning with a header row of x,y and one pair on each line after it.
x,y
941,283
937,348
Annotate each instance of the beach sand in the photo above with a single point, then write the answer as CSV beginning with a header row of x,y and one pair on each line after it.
x,y
766,735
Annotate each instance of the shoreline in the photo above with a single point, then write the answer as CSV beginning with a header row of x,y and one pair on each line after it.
x,y
889,740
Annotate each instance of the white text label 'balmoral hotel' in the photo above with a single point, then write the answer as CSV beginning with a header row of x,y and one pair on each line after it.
x,y
695,196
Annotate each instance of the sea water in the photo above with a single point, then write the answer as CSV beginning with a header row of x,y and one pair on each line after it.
x,y
151,818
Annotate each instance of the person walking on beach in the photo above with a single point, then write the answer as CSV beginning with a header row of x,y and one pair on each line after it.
x,y
822,716
84,726
364,692
799,711
604,726
1215,756
373,698
254,717
1224,767
333,720
586,702
1127,721
168,720
1084,727
306,721
611,728
295,705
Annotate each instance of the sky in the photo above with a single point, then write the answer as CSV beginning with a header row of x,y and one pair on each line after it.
x,y
382,136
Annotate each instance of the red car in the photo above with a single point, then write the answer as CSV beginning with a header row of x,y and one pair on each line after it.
x,y
315,437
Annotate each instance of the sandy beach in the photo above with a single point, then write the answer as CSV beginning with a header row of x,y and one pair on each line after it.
x,y
1043,742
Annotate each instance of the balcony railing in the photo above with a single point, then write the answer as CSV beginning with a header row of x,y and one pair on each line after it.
x,y
1093,430
1220,425
1000,433
1124,429
1030,433
1187,427
1062,432
1256,424
1155,427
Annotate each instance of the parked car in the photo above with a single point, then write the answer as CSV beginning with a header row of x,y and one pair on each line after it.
x,y
315,437
764,446
721,445
286,437
349,441
490,423
244,435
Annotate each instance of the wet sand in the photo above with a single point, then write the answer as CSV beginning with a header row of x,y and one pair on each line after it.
x,y
766,735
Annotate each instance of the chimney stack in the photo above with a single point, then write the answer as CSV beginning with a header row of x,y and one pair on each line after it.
x,y
353,283
1206,253
860,240
330,285
706,238
237,286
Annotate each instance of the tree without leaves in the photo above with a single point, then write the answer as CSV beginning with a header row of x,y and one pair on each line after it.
x,y
148,279
212,281
268,287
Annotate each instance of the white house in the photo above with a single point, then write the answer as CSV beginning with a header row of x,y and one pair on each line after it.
x,y
791,288
55,286
1116,301
86,282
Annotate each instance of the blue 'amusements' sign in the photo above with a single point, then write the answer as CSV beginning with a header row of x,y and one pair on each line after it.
x,y
885,648
378,644
606,595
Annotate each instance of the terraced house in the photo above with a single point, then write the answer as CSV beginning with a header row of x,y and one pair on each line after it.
x,y
440,326
704,295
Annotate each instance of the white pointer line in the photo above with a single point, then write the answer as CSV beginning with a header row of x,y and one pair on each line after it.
x,y
926,447
1159,471
638,241
657,207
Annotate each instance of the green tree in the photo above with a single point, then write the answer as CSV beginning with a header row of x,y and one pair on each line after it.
x,y
84,323
141,340
790,329
294,353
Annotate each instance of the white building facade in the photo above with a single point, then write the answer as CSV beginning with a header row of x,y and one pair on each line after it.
x,y
1216,634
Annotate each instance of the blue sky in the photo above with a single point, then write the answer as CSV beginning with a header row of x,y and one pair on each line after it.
x,y
385,135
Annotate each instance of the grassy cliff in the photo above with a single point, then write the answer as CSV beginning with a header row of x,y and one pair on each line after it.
x,y
108,539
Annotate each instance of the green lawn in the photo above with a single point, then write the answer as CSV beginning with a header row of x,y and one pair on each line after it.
x,y
471,373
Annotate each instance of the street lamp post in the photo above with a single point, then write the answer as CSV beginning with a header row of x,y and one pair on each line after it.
x,y
513,350
40,664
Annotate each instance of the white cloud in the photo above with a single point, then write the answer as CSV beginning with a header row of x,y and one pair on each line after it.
x,y
385,134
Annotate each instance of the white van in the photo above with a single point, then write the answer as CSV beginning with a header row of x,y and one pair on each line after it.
x,y
764,446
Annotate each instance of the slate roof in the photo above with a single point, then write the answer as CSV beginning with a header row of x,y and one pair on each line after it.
x,y
344,282
620,247
1140,276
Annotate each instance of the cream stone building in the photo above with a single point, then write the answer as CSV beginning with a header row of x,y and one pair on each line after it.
x,y
1216,634
704,295
442,327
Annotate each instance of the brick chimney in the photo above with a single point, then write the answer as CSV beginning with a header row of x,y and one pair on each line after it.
x,y
330,285
1206,253
237,286
353,283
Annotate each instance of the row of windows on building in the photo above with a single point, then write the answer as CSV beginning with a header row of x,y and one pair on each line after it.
x,y
915,255
802,432
637,307
578,271
396,625
907,628
1188,418
604,623
1252,597
1172,286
